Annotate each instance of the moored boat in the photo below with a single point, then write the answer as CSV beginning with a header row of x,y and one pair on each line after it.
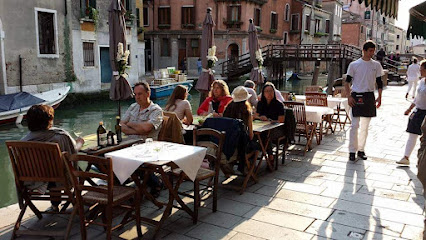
x,y
15,106
164,90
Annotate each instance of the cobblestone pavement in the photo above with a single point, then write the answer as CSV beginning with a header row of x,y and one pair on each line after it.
x,y
317,196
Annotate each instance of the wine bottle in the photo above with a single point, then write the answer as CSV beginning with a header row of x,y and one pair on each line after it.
x,y
102,135
118,130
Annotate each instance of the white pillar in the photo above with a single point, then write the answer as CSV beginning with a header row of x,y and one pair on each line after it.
x,y
3,77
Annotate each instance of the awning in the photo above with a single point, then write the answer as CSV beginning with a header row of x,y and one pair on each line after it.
x,y
417,26
387,7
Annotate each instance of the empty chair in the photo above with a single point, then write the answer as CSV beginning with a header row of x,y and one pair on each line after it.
x,y
312,89
101,198
303,128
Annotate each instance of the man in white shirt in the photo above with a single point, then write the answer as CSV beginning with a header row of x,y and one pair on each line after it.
x,y
143,119
364,73
413,75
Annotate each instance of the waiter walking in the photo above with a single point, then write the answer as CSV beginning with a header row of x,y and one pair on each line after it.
x,y
364,73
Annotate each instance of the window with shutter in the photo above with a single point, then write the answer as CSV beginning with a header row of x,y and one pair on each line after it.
x,y
164,17
327,26
308,23
233,16
287,12
88,54
295,22
317,25
46,33
274,21
165,47
256,20
188,18
145,17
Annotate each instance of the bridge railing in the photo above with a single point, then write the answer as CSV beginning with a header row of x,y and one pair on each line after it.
x,y
297,52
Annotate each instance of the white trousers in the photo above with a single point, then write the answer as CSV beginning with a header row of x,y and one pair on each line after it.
x,y
412,84
357,143
411,143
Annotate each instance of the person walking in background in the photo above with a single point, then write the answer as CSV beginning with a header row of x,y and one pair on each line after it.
x,y
178,104
381,55
250,86
183,65
413,75
199,66
416,118
363,73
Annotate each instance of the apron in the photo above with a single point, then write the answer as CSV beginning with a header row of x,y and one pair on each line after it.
x,y
415,121
365,104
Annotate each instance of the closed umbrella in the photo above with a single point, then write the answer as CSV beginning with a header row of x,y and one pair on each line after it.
x,y
207,42
120,87
417,25
255,55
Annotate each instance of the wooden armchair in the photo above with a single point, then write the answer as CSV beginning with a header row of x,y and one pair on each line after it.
x,y
303,128
35,162
204,173
101,198
312,89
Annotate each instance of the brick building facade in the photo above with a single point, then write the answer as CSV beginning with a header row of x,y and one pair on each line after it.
x,y
173,29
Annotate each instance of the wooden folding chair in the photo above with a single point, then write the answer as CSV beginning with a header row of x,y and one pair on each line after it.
x,y
35,162
320,100
101,198
203,173
303,128
340,111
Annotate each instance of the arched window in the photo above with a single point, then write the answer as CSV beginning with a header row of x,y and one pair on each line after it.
x,y
287,12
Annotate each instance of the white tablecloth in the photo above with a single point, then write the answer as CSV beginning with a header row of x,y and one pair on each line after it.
x,y
314,114
186,157
332,102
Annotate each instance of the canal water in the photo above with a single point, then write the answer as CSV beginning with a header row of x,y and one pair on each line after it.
x,y
83,120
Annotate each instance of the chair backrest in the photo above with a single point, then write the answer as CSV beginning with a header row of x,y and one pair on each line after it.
x,y
312,89
79,176
298,111
285,95
316,99
171,130
213,139
339,91
36,161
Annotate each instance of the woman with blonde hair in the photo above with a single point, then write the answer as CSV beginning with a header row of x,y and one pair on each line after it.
x,y
178,104
217,100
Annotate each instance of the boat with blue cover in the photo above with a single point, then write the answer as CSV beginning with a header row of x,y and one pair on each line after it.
x,y
164,90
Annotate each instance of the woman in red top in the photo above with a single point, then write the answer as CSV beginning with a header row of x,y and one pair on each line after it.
x,y
217,100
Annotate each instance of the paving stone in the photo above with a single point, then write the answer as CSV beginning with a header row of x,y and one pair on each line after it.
x,y
385,193
233,207
321,175
385,178
221,219
311,180
279,218
412,232
380,236
386,214
301,197
243,236
177,236
250,198
270,231
208,231
332,230
384,185
300,208
370,223
303,187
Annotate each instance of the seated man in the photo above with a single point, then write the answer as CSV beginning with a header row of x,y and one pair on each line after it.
x,y
250,86
40,122
143,119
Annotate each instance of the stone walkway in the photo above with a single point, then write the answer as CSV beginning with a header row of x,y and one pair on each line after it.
x,y
317,196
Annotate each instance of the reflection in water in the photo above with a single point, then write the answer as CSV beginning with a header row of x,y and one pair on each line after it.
x,y
83,120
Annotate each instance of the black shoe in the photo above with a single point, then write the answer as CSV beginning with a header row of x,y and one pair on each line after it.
x,y
362,155
352,157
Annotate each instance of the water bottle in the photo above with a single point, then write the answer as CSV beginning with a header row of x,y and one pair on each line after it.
x,y
101,135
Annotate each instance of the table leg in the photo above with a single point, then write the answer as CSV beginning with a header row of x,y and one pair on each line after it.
x,y
264,153
142,185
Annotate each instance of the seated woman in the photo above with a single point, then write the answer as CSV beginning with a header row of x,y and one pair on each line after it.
x,y
270,109
217,100
178,104
40,122
239,108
